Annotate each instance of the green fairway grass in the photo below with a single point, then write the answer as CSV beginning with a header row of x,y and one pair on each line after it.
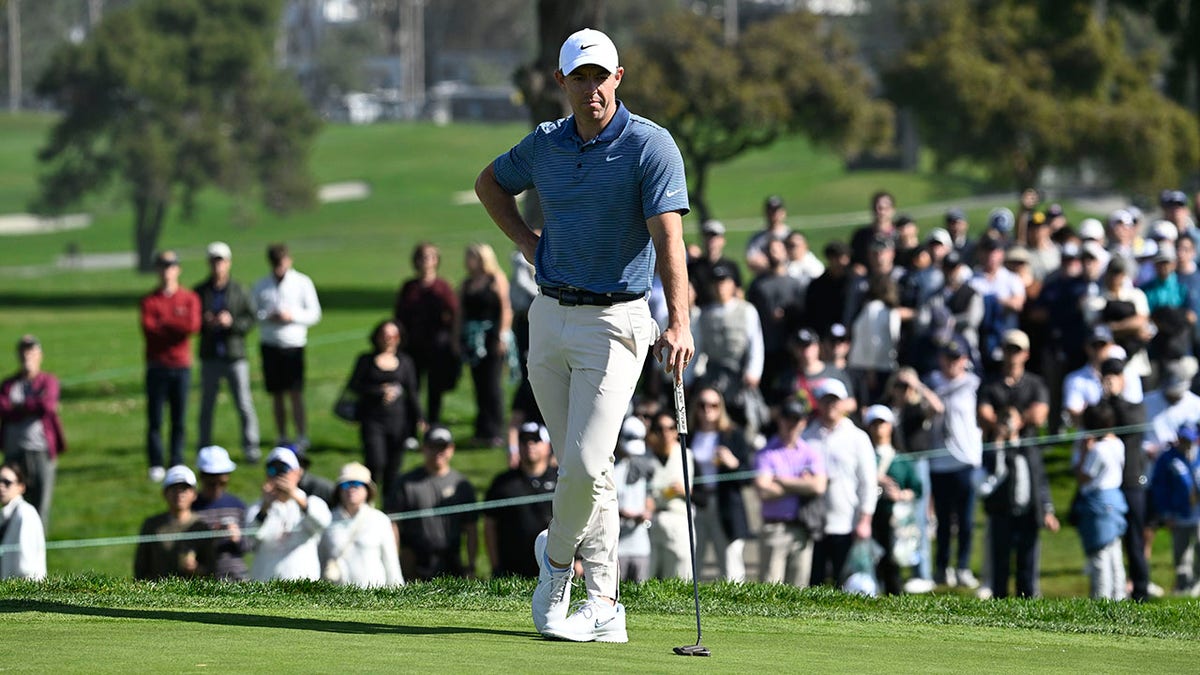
x,y
358,254
90,624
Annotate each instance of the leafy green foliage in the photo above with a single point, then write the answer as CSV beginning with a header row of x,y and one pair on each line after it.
x,y
1020,85
169,97
786,75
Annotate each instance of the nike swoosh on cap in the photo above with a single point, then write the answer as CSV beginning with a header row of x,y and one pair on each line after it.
x,y
583,47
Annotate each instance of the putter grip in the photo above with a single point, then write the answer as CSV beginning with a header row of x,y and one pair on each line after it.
x,y
680,409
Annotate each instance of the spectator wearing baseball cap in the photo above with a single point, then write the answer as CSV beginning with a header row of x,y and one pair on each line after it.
x,y
899,482
810,370
1173,491
432,546
31,432
359,546
509,531
290,523
1164,289
174,557
632,474
791,481
1014,388
227,317
958,227
701,269
825,298
221,510
170,315
774,227
952,471
853,483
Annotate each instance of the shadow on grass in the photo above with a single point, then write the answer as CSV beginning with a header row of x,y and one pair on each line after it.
x,y
247,620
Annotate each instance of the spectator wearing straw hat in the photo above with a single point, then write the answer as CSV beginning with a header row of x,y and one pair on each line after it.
x,y
509,531
359,546
175,557
222,511
289,521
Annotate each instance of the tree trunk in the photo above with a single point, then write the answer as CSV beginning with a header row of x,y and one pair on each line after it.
x,y
149,214
696,197
14,55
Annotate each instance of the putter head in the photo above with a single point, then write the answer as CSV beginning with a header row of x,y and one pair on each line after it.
x,y
693,650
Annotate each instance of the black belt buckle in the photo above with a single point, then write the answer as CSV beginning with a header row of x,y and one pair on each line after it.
x,y
569,298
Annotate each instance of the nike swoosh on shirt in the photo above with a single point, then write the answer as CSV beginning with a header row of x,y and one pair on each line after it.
x,y
613,157
672,193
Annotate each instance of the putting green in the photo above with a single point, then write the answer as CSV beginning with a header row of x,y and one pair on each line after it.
x,y
57,637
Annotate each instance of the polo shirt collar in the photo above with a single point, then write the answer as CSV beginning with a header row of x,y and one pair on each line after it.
x,y
610,133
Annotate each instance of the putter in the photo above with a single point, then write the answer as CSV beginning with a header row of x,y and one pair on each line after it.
x,y
681,423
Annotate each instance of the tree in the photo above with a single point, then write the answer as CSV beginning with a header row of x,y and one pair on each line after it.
x,y
169,97
555,20
1020,85
1179,21
787,74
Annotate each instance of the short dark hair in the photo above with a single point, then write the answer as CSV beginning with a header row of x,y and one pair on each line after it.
x,y
420,249
276,253
1099,416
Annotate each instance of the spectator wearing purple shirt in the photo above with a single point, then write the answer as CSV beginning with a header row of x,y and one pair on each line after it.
x,y
791,480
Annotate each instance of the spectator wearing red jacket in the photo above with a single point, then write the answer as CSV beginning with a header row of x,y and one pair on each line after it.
x,y
31,434
170,316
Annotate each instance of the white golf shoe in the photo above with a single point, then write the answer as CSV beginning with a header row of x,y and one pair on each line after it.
x,y
552,597
594,620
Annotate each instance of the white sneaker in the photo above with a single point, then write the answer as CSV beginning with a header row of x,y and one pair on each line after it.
x,y
594,620
918,586
947,577
966,579
156,474
1154,590
552,597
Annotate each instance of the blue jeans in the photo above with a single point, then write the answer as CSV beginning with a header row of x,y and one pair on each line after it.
x,y
954,502
170,386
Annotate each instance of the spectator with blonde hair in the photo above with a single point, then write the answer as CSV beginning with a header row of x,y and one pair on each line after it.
x,y
719,450
485,331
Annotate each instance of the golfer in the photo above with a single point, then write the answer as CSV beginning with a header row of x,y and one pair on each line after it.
x,y
613,194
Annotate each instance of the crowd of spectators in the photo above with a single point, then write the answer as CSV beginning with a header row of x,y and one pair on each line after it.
x,y
865,404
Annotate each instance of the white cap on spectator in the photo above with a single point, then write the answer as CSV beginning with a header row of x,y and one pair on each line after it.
x,y
1091,229
633,436
219,249
831,386
214,459
284,455
941,236
179,474
878,413
1164,230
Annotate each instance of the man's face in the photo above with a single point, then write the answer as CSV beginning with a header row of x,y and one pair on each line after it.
x,y
714,244
1015,355
591,91
533,450
285,264
884,209
168,273
219,266
437,456
31,358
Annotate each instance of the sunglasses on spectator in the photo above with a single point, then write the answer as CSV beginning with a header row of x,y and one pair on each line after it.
x,y
277,469
5,482
351,484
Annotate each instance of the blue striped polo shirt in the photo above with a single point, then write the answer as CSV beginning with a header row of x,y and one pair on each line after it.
x,y
596,198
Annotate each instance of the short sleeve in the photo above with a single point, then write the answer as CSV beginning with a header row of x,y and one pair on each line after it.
x,y
664,184
514,169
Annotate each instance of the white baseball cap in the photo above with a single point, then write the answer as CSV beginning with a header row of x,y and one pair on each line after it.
x,y
219,249
633,436
587,46
1091,229
214,459
179,474
831,386
878,413
285,456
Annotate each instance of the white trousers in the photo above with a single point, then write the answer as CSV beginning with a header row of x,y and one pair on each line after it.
x,y
1106,572
584,363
